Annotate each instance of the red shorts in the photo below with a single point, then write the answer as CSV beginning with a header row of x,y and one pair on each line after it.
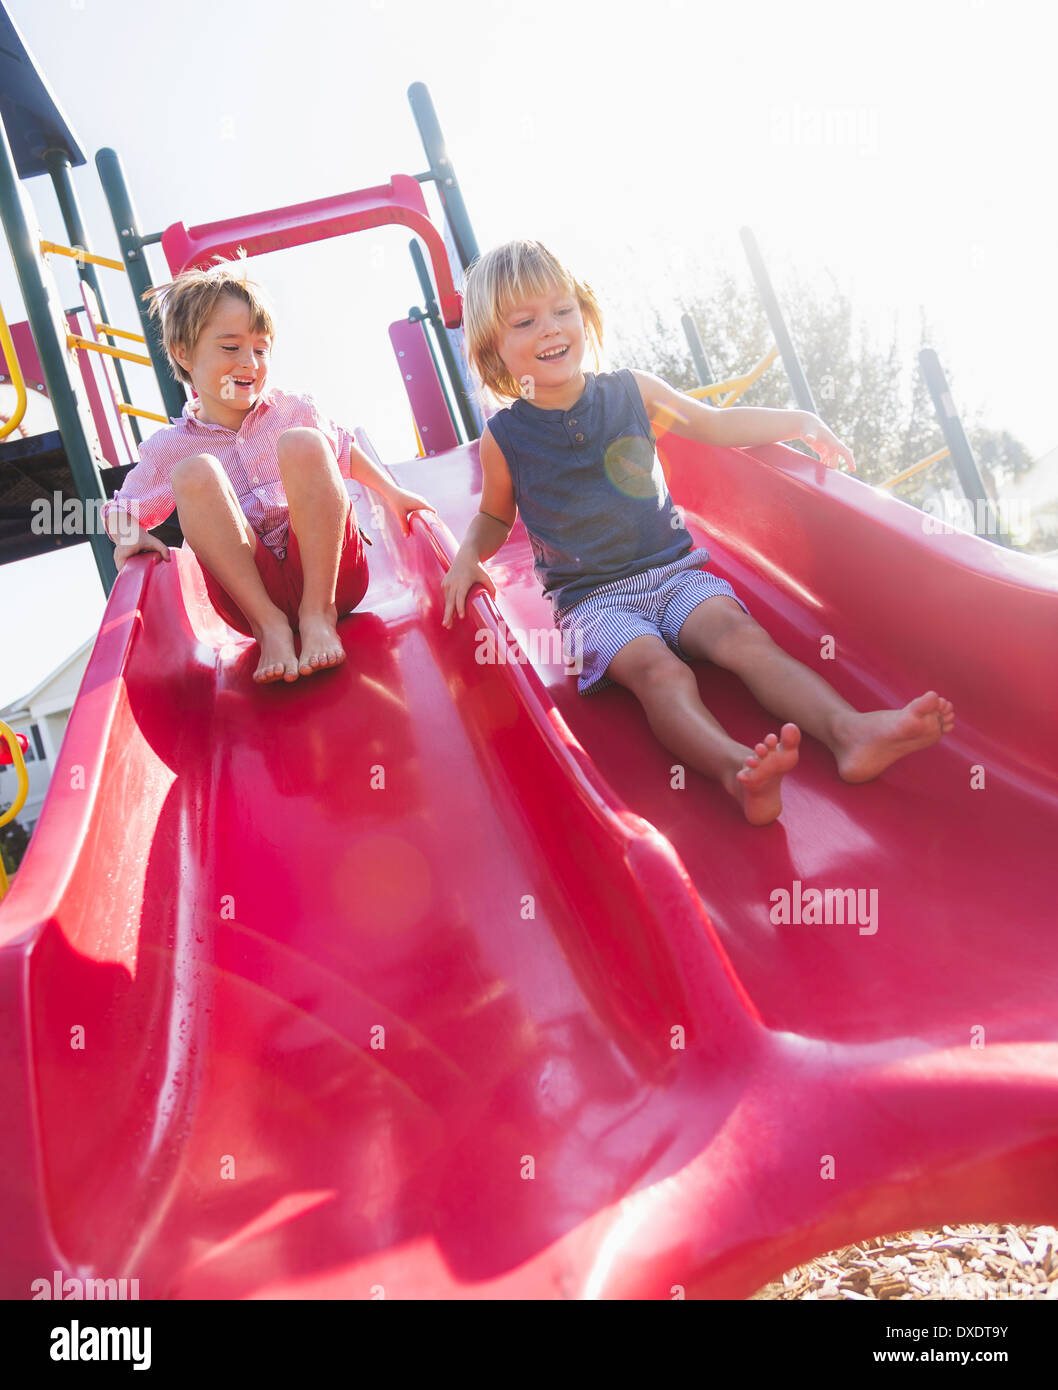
x,y
285,582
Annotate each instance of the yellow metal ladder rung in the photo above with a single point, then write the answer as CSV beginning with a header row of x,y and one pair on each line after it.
x,y
142,414
916,468
120,333
86,343
80,255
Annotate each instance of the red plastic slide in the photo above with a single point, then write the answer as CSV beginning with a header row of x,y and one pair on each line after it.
x,y
427,975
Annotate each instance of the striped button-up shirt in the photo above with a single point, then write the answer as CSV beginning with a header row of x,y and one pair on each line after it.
x,y
248,455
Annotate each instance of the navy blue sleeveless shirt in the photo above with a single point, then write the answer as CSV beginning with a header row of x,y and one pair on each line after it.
x,y
590,488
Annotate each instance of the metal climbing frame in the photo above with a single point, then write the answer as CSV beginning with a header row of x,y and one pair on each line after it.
x,y
41,142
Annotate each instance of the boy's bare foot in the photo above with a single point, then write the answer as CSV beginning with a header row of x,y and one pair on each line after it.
x,y
756,785
869,743
278,662
320,644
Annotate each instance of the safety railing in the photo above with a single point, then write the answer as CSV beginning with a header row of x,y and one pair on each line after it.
x,y
14,747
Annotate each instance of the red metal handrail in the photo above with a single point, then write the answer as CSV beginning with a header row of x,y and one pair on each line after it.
x,y
399,201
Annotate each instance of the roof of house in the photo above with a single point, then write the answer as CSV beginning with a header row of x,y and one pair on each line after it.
x,y
24,701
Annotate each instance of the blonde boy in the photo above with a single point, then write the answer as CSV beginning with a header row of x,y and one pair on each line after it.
x,y
257,479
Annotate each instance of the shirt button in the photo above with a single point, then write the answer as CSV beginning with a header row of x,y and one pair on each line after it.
x,y
257,480
573,422
579,438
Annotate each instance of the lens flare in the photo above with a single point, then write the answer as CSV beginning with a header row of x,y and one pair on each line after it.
x,y
629,464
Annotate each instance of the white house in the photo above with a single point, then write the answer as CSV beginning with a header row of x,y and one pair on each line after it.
x,y
42,716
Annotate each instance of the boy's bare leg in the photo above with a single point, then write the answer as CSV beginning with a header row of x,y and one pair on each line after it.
x,y
668,691
216,529
318,505
864,744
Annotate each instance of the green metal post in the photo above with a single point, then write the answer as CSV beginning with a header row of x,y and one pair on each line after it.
x,y
417,315
986,523
433,313
792,363
61,373
132,243
58,162
443,174
694,342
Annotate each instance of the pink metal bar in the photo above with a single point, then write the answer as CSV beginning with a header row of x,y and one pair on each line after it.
x,y
26,351
425,395
118,441
109,453
399,201
33,374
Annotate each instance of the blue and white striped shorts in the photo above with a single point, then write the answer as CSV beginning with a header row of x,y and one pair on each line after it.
x,y
655,603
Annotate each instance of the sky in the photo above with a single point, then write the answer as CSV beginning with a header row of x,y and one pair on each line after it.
x,y
904,147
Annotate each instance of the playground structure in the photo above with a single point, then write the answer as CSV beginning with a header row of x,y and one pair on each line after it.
x,y
518,1020
956,447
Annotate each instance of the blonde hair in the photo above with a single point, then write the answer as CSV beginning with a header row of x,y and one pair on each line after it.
x,y
493,283
186,303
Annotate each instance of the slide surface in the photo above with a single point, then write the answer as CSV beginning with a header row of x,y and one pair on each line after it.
x,y
428,975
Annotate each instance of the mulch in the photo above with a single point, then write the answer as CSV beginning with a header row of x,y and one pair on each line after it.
x,y
956,1262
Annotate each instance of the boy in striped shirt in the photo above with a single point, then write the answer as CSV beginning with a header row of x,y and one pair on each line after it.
x,y
256,476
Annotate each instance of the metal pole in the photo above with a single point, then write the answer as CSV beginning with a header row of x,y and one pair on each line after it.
x,y
58,163
126,224
794,370
49,328
416,315
694,342
442,172
985,520
433,313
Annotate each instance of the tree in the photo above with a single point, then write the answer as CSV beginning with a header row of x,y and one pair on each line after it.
x,y
998,453
871,394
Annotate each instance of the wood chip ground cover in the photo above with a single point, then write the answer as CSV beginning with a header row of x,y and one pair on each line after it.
x,y
956,1262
